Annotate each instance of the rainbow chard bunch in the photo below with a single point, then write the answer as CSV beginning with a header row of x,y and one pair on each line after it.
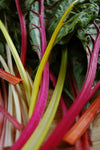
x,y
44,37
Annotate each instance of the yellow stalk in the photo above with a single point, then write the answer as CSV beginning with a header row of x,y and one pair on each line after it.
x,y
38,136
18,61
44,60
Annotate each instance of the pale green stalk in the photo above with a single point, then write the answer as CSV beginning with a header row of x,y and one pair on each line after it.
x,y
12,91
9,127
44,60
41,131
18,61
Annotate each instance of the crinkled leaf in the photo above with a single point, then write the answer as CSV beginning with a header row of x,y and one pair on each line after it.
x,y
79,17
84,34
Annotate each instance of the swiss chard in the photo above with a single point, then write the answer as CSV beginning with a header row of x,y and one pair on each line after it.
x,y
50,23
80,101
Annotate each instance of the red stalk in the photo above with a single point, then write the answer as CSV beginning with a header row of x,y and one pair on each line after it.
x,y
85,145
23,33
78,145
83,123
79,103
9,77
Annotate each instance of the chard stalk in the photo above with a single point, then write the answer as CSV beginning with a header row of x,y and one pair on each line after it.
x,y
79,103
18,61
39,134
9,77
16,98
10,118
44,60
43,93
83,123
63,105
23,33
5,105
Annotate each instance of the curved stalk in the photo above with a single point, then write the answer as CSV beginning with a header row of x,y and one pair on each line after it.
x,y
44,60
23,33
39,134
18,61
79,103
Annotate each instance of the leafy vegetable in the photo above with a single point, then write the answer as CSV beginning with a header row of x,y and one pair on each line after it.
x,y
47,29
79,17
80,101
44,59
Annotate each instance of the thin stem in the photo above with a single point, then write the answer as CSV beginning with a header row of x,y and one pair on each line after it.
x,y
35,12
42,28
23,33
5,96
11,119
35,25
53,6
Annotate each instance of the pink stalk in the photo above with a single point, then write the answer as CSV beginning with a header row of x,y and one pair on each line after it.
x,y
73,84
3,135
63,106
36,116
5,113
11,119
4,123
40,106
79,103
1,115
42,28
23,33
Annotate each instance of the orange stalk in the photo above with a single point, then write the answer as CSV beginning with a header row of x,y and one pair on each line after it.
x,y
9,77
83,123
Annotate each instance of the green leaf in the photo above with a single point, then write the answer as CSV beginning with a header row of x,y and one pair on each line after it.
x,y
84,34
79,17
